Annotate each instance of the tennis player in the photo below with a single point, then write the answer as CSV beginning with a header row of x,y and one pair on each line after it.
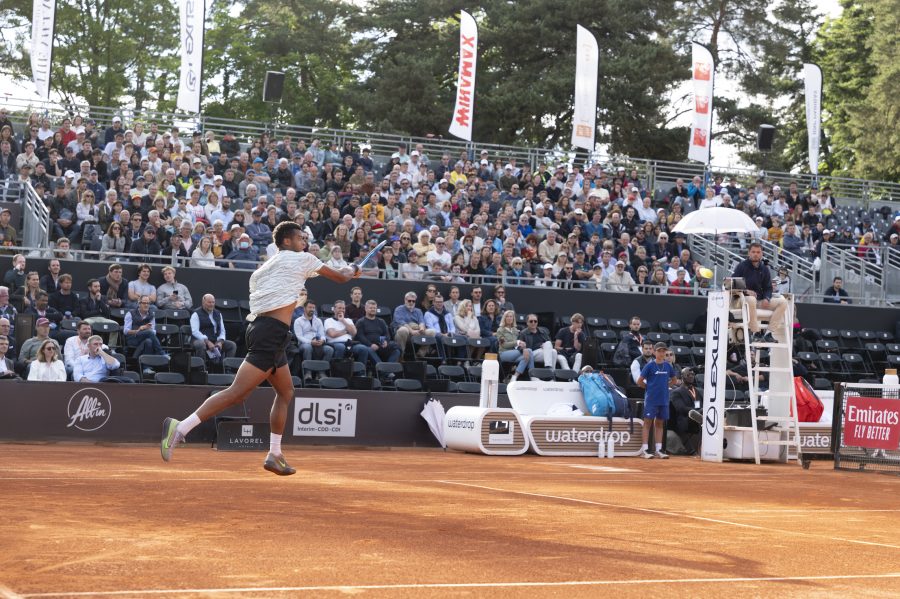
x,y
275,290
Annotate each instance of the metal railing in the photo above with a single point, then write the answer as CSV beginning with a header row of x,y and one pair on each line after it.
x,y
657,174
801,269
862,279
35,219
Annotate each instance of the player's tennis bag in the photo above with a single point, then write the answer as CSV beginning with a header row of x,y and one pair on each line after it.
x,y
603,398
809,406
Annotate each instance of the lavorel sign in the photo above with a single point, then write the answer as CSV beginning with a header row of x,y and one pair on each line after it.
x,y
872,422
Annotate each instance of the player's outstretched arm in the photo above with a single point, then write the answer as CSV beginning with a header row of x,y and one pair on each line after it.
x,y
341,275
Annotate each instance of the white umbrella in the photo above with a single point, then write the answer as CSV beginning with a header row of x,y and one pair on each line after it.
x,y
434,414
712,221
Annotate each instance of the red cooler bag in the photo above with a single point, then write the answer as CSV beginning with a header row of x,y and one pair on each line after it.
x,y
809,406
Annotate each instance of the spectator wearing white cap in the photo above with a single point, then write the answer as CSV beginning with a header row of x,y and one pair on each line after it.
x,y
620,279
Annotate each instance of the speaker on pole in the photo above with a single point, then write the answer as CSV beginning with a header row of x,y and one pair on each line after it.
x,y
273,87
765,138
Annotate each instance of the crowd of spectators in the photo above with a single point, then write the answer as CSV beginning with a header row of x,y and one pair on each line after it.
x,y
189,198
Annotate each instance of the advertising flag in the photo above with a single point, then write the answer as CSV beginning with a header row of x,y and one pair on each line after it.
x,y
192,14
461,125
714,387
584,117
43,20
703,71
812,79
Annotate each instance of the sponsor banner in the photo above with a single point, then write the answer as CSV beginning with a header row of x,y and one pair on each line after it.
x,y
461,125
703,77
581,436
324,417
814,439
872,422
192,14
241,436
43,21
585,113
812,82
714,385
88,409
537,397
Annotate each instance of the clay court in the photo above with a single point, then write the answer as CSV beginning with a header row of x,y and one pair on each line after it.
x,y
115,521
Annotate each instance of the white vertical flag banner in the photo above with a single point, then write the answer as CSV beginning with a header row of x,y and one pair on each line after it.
x,y
461,125
812,79
192,14
703,74
714,387
585,113
43,18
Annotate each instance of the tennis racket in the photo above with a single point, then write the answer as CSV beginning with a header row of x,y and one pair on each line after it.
x,y
362,263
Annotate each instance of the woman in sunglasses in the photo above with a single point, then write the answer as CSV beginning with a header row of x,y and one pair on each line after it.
x,y
47,365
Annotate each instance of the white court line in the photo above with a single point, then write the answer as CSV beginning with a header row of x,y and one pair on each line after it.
x,y
680,515
7,593
477,585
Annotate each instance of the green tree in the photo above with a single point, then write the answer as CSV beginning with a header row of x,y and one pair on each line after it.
x,y
306,39
878,145
843,50
103,49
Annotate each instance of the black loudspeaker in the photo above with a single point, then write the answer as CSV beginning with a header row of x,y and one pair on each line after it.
x,y
765,138
273,86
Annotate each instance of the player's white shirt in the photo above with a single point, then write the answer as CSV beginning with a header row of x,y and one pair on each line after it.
x,y
280,280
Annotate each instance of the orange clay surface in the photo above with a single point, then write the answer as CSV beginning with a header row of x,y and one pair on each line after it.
x,y
115,521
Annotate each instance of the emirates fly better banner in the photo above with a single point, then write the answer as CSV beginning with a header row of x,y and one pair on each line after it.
x,y
43,18
703,70
812,79
461,125
586,63
192,14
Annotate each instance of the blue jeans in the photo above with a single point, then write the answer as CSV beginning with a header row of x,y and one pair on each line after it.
x,y
364,353
340,349
306,351
524,359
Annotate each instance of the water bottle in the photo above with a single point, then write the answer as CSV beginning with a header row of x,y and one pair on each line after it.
x,y
601,450
890,378
610,447
490,379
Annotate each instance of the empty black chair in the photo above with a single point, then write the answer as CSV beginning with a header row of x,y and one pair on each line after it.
x,y
388,372
424,346
884,336
544,374
658,337
698,339
474,372
606,336
315,369
168,378
231,365
69,324
832,334
333,382
219,380
867,336
892,348
153,362
607,351
877,355
894,361
564,374
565,321
849,339
468,387
408,385
822,384
827,345
699,355
832,364
680,339
452,372
179,317
855,364
130,374
810,360
683,356
595,322
618,324
669,327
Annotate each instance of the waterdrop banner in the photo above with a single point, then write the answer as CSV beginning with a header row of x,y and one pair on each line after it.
x,y
585,114
461,125
812,80
43,22
192,15
703,71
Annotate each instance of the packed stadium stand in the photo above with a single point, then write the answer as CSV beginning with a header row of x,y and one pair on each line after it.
x,y
148,220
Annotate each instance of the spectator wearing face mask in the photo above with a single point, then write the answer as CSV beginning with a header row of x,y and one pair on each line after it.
x,y
245,255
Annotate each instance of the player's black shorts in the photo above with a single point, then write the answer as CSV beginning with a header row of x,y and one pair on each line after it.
x,y
267,340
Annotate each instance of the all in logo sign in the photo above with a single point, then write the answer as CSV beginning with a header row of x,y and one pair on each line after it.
x,y
89,409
